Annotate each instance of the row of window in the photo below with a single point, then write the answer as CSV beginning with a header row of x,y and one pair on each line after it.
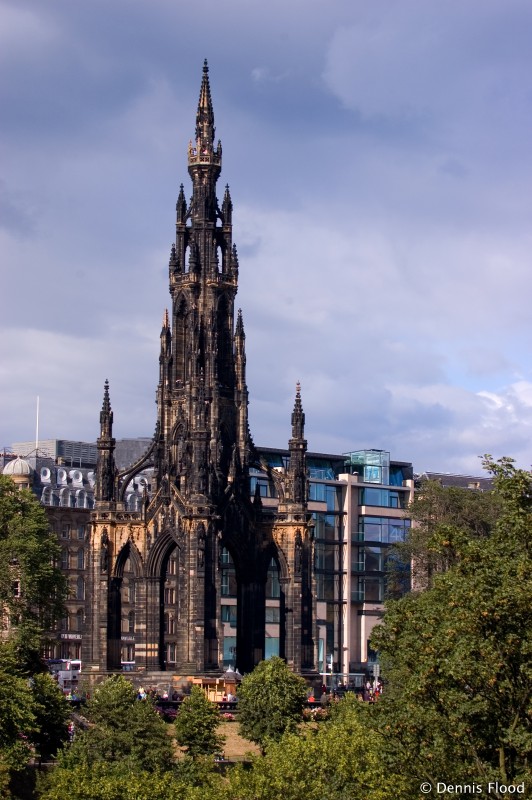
x,y
73,622
387,498
228,614
66,498
68,531
382,529
318,492
72,560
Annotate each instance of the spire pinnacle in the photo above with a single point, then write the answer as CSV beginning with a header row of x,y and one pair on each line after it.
x,y
239,329
106,405
205,117
298,416
204,152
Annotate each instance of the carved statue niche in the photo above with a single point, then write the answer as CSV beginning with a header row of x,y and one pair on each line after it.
x,y
298,553
201,544
104,551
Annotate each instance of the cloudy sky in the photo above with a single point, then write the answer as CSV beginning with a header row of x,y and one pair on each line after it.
x,y
379,159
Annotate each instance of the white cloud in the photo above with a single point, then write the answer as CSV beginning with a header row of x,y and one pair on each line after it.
x,y
379,162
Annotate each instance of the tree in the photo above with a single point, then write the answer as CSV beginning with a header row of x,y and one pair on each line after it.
x,y
270,701
33,716
104,781
337,760
443,518
196,724
124,730
457,657
17,720
52,713
32,588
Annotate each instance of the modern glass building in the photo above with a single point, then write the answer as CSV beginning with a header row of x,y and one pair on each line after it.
x,y
358,502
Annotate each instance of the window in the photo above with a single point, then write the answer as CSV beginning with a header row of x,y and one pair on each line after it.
x,y
228,577
131,622
229,650
80,589
128,590
273,586
81,559
271,647
317,492
229,615
373,559
81,532
382,529
368,590
389,498
172,566
266,488
273,614
16,588
79,620
169,596
65,531
169,624
64,559
170,652
373,590
128,655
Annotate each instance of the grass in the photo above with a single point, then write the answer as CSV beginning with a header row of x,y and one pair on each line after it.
x,y
235,747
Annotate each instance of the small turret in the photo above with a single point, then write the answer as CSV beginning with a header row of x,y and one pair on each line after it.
x,y
227,207
105,468
297,468
181,207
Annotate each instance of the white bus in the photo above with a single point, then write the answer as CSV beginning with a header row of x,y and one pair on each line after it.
x,y
67,672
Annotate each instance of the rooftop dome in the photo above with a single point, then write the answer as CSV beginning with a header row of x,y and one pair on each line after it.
x,y
18,466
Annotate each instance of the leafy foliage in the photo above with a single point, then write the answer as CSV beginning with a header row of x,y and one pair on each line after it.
x,y
457,657
124,730
17,719
114,781
270,701
52,713
32,588
444,518
196,724
33,716
336,760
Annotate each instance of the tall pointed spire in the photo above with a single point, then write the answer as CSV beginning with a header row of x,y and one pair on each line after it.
x,y
106,414
298,417
204,152
105,468
205,129
298,447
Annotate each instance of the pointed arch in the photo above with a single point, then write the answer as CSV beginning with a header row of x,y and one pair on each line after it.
x,y
129,550
160,552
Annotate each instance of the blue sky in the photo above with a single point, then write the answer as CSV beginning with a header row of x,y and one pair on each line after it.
x,y
379,161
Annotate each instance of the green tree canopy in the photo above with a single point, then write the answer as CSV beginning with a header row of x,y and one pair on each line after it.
x,y
196,724
114,781
33,716
52,713
270,701
457,657
339,759
32,587
123,730
443,518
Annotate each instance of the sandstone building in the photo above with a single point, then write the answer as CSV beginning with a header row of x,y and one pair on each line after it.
x,y
198,526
